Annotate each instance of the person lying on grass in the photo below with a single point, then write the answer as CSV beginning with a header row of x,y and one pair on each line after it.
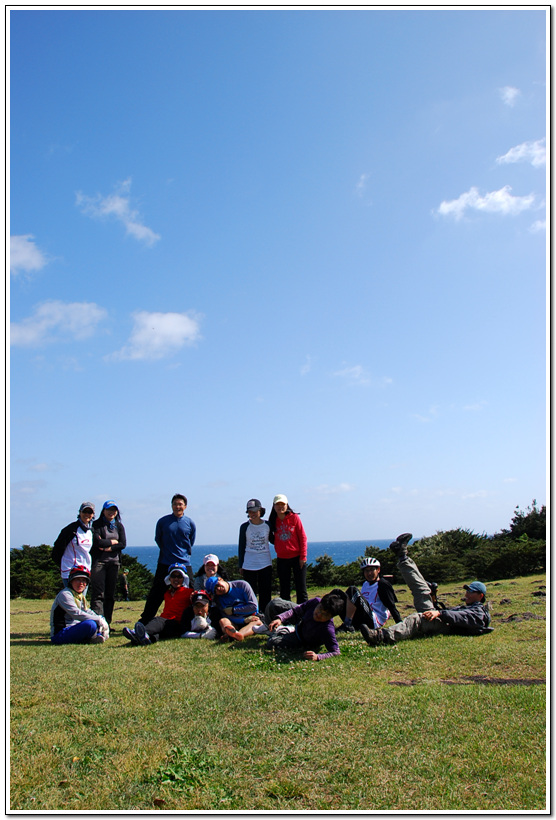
x,y
472,618
70,619
168,624
312,627
237,607
198,619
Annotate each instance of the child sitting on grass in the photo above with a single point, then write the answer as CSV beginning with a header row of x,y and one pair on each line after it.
x,y
70,619
168,624
314,626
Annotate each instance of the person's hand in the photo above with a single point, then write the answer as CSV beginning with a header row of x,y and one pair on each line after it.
x,y
310,656
114,541
431,614
273,624
302,562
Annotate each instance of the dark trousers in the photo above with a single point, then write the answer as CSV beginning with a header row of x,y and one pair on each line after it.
x,y
156,594
285,568
104,578
162,629
363,612
260,581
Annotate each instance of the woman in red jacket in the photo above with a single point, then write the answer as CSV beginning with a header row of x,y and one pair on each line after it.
x,y
290,542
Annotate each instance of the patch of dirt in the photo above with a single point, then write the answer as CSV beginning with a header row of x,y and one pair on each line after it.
x,y
468,680
539,594
526,616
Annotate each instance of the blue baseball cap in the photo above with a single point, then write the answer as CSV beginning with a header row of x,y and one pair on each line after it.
x,y
476,586
210,583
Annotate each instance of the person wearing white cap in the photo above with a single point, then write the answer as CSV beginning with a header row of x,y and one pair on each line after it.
x,y
210,566
290,542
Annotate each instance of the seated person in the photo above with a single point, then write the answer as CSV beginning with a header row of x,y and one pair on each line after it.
x,y
197,620
314,626
210,568
70,619
237,606
168,624
472,618
374,604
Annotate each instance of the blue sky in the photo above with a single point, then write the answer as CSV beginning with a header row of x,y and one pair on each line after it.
x,y
259,252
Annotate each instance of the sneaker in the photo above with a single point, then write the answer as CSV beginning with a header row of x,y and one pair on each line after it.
x,y
98,638
399,546
143,637
433,586
261,629
374,637
130,635
345,628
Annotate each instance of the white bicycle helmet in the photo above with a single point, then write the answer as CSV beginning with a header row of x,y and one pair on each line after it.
x,y
370,562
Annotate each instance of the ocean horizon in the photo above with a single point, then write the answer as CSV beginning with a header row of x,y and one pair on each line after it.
x,y
341,552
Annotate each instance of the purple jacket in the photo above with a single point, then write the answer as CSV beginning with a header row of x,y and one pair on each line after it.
x,y
311,633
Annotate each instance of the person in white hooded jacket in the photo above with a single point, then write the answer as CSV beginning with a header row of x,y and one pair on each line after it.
x,y
70,619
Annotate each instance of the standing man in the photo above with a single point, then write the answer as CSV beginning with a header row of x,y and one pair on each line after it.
x,y
175,536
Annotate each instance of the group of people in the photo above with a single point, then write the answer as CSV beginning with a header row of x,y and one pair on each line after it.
x,y
209,605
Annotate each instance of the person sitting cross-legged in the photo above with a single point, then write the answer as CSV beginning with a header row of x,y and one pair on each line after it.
x,y
472,618
237,606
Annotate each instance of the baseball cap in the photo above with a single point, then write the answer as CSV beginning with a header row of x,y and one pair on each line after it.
x,y
200,596
254,504
280,498
476,586
87,505
211,558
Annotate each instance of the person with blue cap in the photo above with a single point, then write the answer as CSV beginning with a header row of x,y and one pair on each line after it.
x,y
471,618
109,539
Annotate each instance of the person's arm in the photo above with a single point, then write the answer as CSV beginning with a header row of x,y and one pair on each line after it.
x,y
331,645
468,619
68,603
247,602
65,537
101,543
158,538
302,541
193,533
242,544
388,597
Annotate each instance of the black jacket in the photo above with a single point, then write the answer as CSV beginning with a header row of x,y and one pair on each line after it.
x,y
67,534
388,597
102,537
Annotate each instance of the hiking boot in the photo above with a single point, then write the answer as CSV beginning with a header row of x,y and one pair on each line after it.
x,y
142,635
399,546
130,635
374,637
433,586
345,628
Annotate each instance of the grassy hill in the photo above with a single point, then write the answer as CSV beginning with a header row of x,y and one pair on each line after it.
x,y
444,723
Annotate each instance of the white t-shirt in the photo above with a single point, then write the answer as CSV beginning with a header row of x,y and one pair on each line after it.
x,y
257,547
78,551
370,594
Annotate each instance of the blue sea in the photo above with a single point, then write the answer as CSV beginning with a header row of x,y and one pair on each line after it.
x,y
341,552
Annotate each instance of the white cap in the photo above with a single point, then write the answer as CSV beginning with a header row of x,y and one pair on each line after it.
x,y
280,498
211,558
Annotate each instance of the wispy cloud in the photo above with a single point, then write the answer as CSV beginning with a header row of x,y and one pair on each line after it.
x,y
335,489
500,202
118,206
533,152
305,368
509,95
25,257
538,226
361,186
354,375
55,320
156,335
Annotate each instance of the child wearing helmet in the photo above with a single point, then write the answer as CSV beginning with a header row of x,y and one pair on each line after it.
x,y
374,604
70,619
168,623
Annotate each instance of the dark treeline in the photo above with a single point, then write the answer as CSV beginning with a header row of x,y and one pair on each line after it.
x,y
454,555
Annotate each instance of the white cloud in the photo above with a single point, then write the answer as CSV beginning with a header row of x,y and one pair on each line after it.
x,y
118,206
509,95
361,186
538,226
307,366
354,375
533,152
156,335
327,489
55,319
24,255
501,202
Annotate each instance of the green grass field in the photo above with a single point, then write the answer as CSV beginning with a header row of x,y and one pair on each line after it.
x,y
444,723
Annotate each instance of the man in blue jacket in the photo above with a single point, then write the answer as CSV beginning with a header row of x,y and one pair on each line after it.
x,y
472,618
174,535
